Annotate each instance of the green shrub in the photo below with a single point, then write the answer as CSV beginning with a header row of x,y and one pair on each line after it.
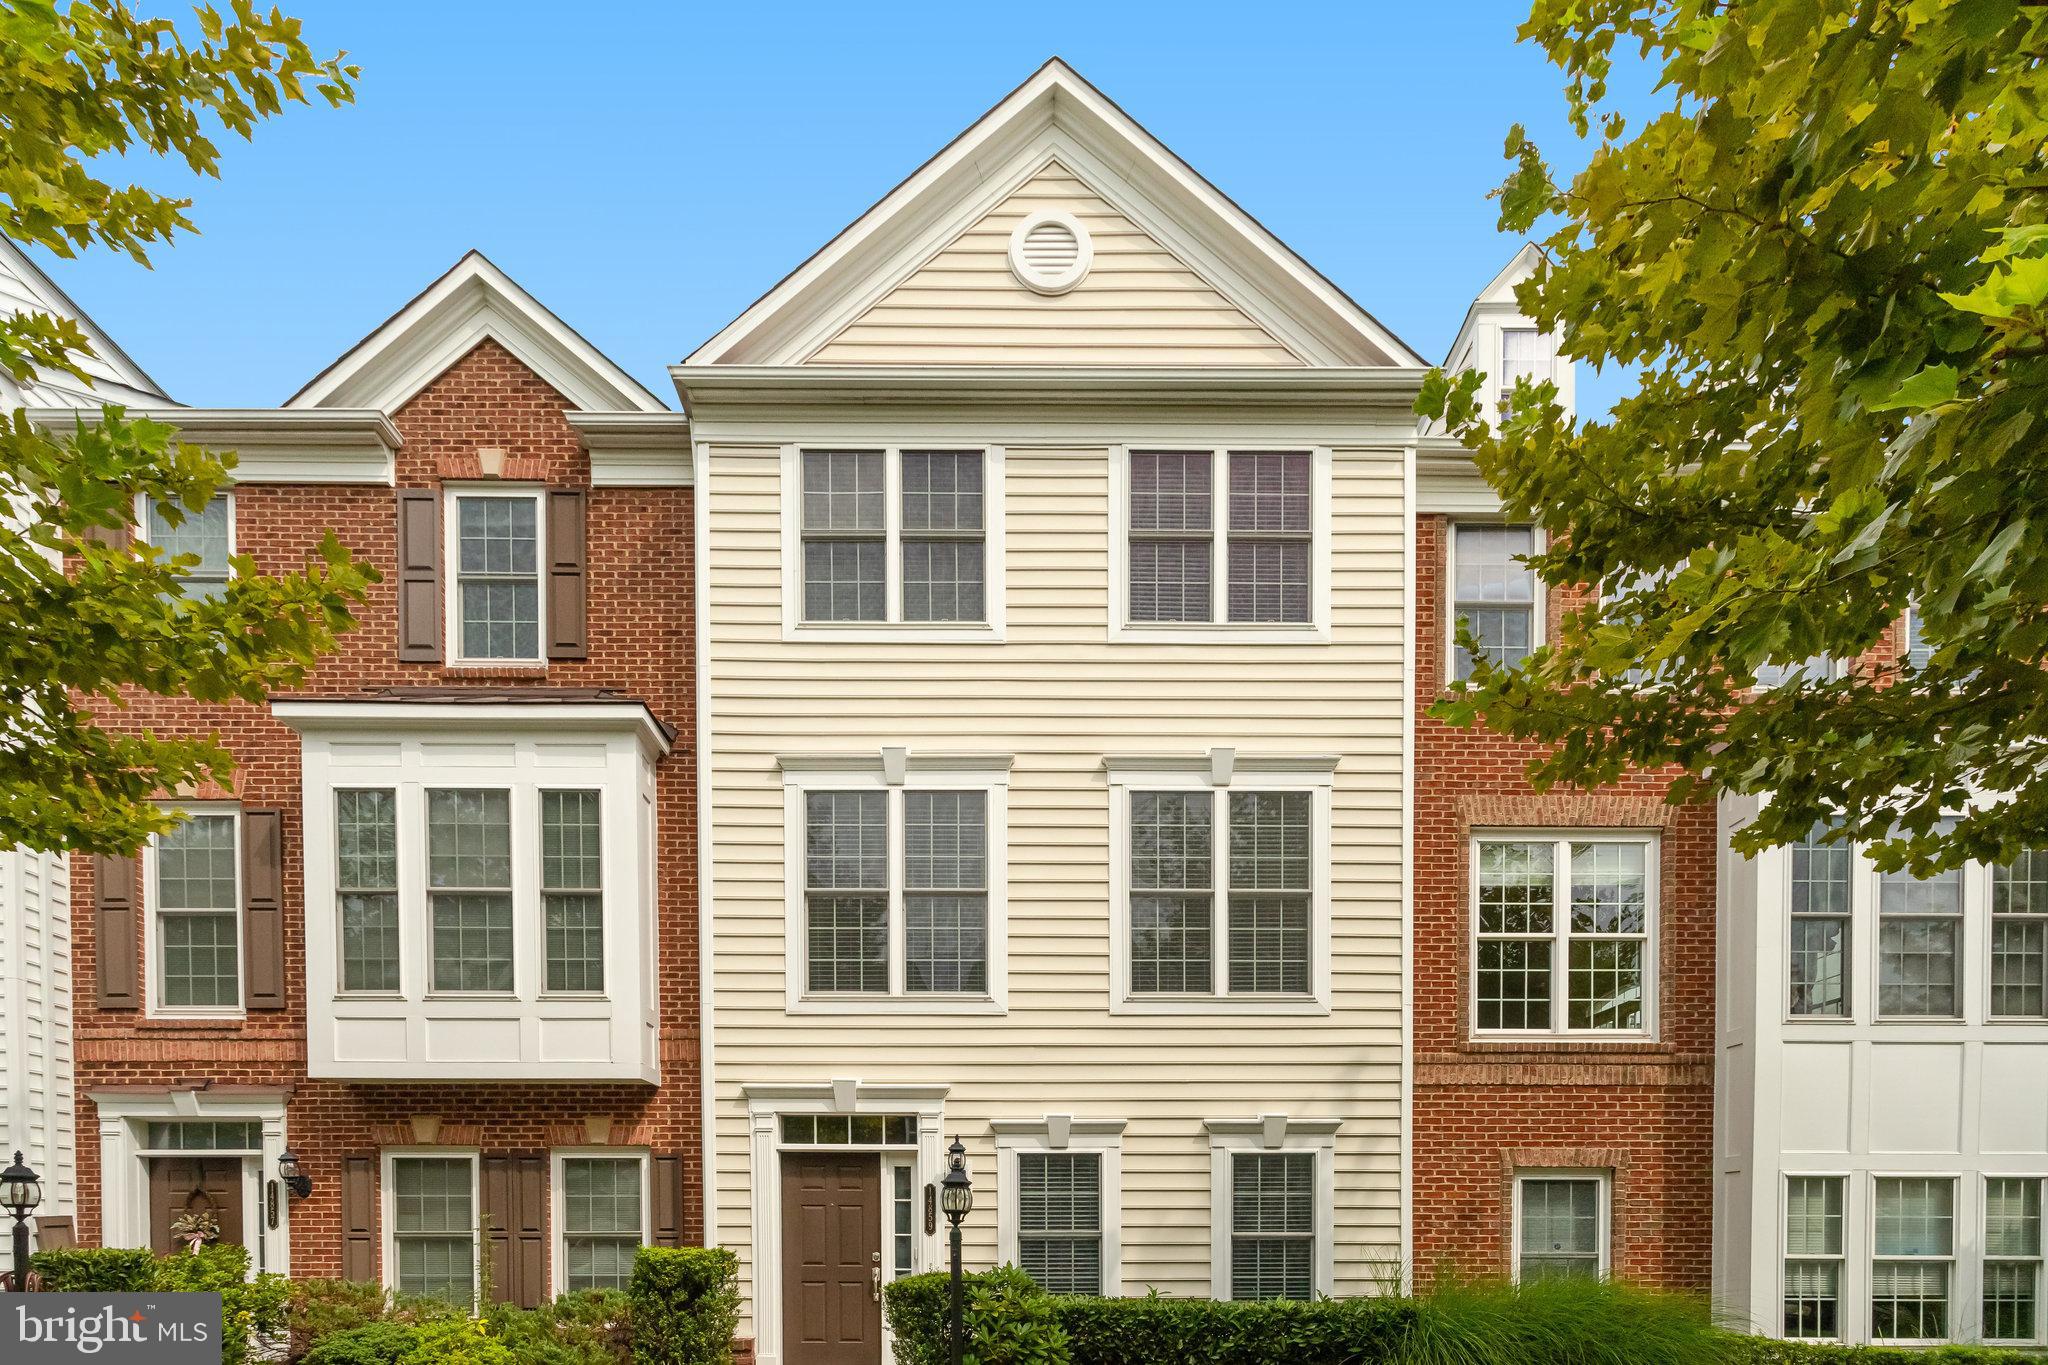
x,y
1762,1351
96,1270
917,1305
1206,1332
593,1328
249,1307
1009,1324
1583,1322
370,1343
686,1305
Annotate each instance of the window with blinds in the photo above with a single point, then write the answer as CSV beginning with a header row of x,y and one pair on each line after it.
x,y
1059,1220
893,536
1249,561
1820,913
1221,892
1561,1227
1919,937
1915,1250
2012,1259
497,576
434,1227
1493,593
603,1220
1813,1257
2019,937
1272,1225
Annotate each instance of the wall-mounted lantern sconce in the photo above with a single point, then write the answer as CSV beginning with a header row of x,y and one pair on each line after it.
x,y
295,1180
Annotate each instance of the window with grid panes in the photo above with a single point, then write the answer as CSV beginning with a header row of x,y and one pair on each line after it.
x,y
1919,929
1813,1257
1266,897
945,891
1562,920
902,1215
1272,1225
366,878
198,913
1493,592
1560,1233
601,1220
1263,537
469,879
938,525
2012,1259
1909,1279
1818,959
572,896
846,891
1813,668
943,569
2019,937
433,1226
497,576
1059,1220
206,534
1522,356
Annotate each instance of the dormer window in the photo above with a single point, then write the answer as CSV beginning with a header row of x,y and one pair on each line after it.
x,y
1521,357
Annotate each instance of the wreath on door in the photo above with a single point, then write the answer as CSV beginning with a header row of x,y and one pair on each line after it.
x,y
198,1225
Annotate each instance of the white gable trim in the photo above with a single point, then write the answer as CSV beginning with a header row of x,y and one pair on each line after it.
x,y
474,300
1057,115
35,282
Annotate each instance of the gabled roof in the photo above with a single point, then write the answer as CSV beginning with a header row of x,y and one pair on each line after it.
x,y
116,377
474,300
1499,294
1057,116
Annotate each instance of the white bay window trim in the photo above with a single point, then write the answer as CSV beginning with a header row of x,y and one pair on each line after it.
x,y
451,557
1219,628
894,772
558,1200
1061,1135
1963,1254
1272,1134
1221,772
990,629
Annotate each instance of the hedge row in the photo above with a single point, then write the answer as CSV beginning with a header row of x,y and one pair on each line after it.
x,y
248,1306
1761,1351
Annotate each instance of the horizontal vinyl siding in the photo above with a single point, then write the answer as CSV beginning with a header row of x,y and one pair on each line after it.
x,y
36,1084
1057,696
1138,305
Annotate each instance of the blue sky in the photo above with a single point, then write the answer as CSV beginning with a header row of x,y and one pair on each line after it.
x,y
647,170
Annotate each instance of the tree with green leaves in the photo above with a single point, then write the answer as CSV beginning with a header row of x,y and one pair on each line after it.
x,y
85,615
1826,257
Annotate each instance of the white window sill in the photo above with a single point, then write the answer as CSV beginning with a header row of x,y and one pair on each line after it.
x,y
896,1004
1580,1036
1275,1005
486,665
221,1014
896,632
1196,633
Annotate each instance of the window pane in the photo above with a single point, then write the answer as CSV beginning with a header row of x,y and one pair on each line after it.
x,y
600,1220
945,841
844,580
434,1223
1919,650
1514,984
1171,576
1915,1216
1916,963
1172,490
844,491
845,841
942,490
469,840
2012,1217
501,620
946,849
1269,496
945,943
902,1235
366,844
1560,1233
203,533
1170,580
189,1135
1902,893
497,535
1606,984
472,942
1269,491
498,573
195,864
1494,593
196,872
943,581
1059,1228
1515,888
1819,965
848,943
1172,849
1609,888
1909,1301
1272,1221
1516,897
2019,937
1813,1216
200,955
1813,1299
1269,852
2012,1297
1269,580
572,862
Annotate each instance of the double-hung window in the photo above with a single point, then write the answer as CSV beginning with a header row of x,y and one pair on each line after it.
x,y
1561,1226
1221,537
2019,937
496,587
896,888
1919,930
1272,1225
366,847
894,537
433,1205
1914,1245
1059,1220
572,894
1222,892
1813,1257
1562,934
197,898
603,1218
2012,1258
1494,593
469,873
1821,916
208,535
1522,356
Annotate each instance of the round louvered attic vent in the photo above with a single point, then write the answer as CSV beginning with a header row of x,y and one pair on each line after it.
x,y
1050,252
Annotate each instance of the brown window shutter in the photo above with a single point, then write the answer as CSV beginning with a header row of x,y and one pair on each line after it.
x,y
515,1192
419,575
263,907
114,927
568,579
667,1202
359,1218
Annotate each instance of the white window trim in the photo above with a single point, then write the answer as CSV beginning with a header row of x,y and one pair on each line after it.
x,y
152,946
451,556
989,631
1984,1258
1539,606
1959,1237
1061,1134
1221,771
387,1202
895,771
1911,615
1220,629
1602,1178
1272,1133
1560,967
1844,1285
225,493
1852,964
558,1201
124,1119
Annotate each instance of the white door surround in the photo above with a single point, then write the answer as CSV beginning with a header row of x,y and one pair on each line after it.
x,y
124,1119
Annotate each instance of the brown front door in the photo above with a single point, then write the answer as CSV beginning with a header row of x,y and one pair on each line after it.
x,y
831,1259
186,1184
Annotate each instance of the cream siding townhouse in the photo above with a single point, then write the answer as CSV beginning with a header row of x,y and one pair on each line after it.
x,y
1053,632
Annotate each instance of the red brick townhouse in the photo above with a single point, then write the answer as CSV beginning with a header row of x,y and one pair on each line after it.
x,y
1564,947
439,944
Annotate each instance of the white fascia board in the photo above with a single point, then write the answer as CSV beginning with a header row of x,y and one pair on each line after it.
x,y
51,295
474,300
635,449
455,715
1447,481
273,445
699,383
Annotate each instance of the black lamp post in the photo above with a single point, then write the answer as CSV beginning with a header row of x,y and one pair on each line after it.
x,y
21,1189
956,1198
295,1180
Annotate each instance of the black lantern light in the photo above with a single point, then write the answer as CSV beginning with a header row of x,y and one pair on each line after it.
x,y
21,1189
956,1199
295,1180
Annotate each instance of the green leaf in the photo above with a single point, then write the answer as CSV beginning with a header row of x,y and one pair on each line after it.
x,y
1931,387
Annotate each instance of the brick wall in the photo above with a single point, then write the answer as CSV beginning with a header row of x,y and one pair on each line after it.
x,y
640,619
1482,1109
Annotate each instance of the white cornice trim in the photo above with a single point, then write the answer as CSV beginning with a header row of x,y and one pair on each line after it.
x,y
635,449
824,384
325,718
1205,765
474,300
1448,482
274,445
877,761
1076,1123
864,1092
